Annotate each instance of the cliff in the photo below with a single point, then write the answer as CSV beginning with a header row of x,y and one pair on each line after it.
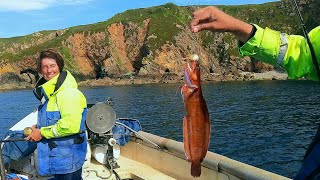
x,y
150,44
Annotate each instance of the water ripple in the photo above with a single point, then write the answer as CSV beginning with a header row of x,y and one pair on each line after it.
x,y
267,124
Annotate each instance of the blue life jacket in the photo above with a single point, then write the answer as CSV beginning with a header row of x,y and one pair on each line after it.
x,y
65,154
60,155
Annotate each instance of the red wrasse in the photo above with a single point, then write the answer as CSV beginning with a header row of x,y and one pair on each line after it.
x,y
196,123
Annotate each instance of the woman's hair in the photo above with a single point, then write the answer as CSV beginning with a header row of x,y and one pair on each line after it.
x,y
50,53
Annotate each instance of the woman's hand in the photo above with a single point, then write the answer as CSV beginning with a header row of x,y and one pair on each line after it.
x,y
35,136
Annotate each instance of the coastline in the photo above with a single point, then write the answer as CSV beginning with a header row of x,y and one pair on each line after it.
x,y
167,78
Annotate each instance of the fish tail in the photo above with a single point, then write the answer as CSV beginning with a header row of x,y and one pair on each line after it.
x,y
195,169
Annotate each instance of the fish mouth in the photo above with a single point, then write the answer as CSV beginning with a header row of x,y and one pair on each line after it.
x,y
191,71
192,64
194,57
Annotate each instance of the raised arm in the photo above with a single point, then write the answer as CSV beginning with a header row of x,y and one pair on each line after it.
x,y
211,18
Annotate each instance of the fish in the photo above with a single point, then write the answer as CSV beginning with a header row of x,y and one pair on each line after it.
x,y
196,122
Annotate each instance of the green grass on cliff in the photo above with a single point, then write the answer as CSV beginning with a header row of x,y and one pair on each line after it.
x,y
5,42
163,26
68,59
163,21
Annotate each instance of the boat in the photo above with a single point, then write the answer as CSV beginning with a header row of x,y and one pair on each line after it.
x,y
119,151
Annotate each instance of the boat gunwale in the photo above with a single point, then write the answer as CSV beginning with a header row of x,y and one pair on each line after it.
x,y
213,161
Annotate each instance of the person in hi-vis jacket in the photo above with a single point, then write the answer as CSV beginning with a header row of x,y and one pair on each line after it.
x,y
59,133
291,52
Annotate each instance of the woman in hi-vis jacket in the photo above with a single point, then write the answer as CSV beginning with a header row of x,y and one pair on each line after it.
x,y
59,133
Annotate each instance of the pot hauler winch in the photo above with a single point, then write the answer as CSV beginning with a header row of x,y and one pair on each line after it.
x,y
101,117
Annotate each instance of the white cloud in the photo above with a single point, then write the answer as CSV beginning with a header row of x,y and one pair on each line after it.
x,y
29,5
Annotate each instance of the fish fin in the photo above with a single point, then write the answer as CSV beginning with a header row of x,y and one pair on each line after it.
x,y
196,169
180,88
183,89
193,88
186,138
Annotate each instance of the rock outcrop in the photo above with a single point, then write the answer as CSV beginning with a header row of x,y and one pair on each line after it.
x,y
149,46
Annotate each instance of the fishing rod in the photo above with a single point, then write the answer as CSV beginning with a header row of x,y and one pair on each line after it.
x,y
313,55
315,62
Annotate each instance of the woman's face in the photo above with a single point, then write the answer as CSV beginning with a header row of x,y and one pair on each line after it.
x,y
49,68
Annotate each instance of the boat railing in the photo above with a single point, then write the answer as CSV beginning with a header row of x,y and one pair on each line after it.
x,y
212,160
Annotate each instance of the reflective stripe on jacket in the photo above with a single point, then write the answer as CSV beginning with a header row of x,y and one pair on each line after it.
x,y
60,118
289,51
293,54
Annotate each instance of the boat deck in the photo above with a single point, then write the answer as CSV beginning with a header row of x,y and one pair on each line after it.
x,y
129,169
138,160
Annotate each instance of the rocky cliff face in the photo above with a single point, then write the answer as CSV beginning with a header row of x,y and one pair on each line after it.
x,y
146,43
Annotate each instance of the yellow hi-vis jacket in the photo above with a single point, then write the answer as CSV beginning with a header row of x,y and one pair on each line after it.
x,y
68,103
288,51
61,115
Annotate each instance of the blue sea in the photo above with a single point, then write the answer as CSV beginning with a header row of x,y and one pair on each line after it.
x,y
267,124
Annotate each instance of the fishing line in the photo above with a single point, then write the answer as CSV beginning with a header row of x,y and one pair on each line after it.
x,y
315,62
313,55
187,32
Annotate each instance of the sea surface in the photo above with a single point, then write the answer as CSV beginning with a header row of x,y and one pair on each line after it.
x,y
267,124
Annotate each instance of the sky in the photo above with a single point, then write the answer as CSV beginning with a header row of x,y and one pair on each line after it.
x,y
22,17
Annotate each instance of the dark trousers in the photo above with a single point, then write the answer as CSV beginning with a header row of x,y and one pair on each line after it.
x,y
70,176
310,169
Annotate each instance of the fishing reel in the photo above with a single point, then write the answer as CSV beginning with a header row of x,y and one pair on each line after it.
x,y
100,119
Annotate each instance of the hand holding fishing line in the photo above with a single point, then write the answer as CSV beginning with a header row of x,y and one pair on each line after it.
x,y
211,18
296,54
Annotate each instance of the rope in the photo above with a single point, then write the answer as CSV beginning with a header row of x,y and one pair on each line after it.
x,y
139,135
